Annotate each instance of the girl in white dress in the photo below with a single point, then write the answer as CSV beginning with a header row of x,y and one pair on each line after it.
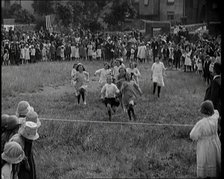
x,y
27,53
157,73
82,77
187,62
90,50
134,72
208,142
103,73
76,51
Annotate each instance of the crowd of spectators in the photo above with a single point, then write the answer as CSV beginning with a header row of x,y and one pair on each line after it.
x,y
177,51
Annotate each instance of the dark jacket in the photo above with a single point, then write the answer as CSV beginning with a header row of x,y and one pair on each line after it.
x,y
213,93
25,173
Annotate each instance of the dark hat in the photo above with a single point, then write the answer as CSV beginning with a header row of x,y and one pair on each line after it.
x,y
12,122
217,68
207,108
4,119
80,64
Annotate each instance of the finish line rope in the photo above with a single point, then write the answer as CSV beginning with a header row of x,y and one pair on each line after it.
x,y
117,122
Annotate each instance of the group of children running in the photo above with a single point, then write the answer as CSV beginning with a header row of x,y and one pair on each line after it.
x,y
119,85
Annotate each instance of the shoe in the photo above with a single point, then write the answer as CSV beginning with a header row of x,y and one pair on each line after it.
x,y
84,103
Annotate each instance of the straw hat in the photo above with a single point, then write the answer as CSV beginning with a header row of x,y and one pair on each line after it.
x,y
13,153
17,138
4,119
207,108
33,117
29,131
12,122
23,108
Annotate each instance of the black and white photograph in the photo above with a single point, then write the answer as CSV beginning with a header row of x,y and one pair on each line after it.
x,y
110,89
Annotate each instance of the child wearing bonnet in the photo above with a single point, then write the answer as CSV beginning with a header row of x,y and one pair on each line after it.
x,y
208,143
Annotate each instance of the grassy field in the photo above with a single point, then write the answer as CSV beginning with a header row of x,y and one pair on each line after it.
x,y
72,150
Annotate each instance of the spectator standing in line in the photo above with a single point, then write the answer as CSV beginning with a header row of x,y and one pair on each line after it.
x,y
155,48
187,61
32,54
206,72
53,52
177,56
22,54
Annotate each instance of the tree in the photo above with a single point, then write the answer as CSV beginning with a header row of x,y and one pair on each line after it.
x,y
20,15
43,7
64,14
118,13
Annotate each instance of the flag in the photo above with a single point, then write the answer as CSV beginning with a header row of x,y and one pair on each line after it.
x,y
48,22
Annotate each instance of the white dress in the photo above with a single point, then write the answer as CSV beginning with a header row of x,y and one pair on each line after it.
x,y
73,51
208,146
157,73
103,75
187,61
27,53
76,49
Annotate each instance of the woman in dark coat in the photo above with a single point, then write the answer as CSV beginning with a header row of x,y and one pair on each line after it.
x,y
213,92
206,70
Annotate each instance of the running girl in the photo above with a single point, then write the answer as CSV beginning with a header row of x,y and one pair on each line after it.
x,y
129,91
82,77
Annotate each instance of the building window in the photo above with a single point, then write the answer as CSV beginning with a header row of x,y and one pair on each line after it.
x,y
146,2
170,15
170,2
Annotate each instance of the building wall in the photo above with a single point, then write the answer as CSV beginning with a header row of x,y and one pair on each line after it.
x,y
177,8
150,9
191,10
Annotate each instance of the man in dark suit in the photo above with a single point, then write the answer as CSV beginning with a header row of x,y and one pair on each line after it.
x,y
213,92
155,48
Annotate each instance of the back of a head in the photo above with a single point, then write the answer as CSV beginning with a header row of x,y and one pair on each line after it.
x,y
217,68
12,122
22,108
4,119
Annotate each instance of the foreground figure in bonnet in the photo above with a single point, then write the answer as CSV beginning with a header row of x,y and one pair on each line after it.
x,y
208,143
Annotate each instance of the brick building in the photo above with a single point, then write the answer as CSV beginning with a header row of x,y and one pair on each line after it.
x,y
178,11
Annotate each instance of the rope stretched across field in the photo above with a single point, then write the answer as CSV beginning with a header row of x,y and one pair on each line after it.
x,y
117,122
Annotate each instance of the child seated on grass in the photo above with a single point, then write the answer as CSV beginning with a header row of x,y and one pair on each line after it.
x,y
108,94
